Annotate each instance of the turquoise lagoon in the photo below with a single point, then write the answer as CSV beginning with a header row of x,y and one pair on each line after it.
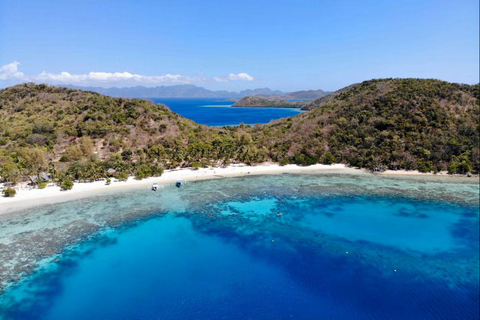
x,y
307,246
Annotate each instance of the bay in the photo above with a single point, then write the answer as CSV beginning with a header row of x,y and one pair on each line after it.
x,y
218,112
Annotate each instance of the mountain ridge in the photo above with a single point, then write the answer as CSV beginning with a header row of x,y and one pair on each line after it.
x,y
174,91
193,91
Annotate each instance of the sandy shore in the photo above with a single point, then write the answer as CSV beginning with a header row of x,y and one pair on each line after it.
x,y
28,197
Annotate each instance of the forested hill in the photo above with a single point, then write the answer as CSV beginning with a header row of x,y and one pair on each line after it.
x,y
80,134
261,102
422,124
427,125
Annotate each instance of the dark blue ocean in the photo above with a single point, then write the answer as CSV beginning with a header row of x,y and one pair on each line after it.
x,y
326,246
218,112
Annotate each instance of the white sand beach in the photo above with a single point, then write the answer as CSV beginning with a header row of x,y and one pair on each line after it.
x,y
29,197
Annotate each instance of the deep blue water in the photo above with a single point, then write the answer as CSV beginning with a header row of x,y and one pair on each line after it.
x,y
217,112
250,248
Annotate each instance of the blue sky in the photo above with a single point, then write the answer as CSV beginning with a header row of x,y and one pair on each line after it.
x,y
234,45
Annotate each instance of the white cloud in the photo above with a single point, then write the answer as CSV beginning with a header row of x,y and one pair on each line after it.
x,y
217,79
242,76
112,78
10,74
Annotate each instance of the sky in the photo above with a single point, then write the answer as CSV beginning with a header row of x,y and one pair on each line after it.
x,y
235,45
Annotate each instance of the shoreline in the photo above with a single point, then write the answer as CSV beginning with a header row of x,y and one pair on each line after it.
x,y
32,197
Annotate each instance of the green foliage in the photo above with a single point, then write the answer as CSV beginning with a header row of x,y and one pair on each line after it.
x,y
36,139
9,192
108,181
396,123
413,124
122,176
256,102
127,154
329,158
42,185
460,164
304,159
143,172
32,159
156,171
426,166
66,185
86,170
10,172
196,165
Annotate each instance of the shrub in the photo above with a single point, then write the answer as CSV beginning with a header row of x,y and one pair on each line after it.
x,y
226,162
127,154
36,139
122,176
42,185
196,165
9,192
460,167
9,171
284,162
305,160
460,164
329,158
66,185
143,172
108,181
426,166
156,171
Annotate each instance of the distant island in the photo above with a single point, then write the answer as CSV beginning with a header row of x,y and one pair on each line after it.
x,y
261,102
288,100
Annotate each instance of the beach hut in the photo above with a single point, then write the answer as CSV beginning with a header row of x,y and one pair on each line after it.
x,y
111,172
41,177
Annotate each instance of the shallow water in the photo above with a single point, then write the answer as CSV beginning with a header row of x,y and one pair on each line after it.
x,y
287,246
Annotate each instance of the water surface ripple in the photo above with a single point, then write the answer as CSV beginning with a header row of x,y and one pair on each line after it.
x,y
306,246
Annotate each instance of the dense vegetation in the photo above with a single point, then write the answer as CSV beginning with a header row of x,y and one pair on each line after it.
x,y
297,99
428,125
78,135
261,102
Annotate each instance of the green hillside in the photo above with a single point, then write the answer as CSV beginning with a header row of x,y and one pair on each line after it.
x,y
82,134
428,125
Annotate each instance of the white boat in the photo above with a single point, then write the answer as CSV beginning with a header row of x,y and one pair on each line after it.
x,y
155,186
179,183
